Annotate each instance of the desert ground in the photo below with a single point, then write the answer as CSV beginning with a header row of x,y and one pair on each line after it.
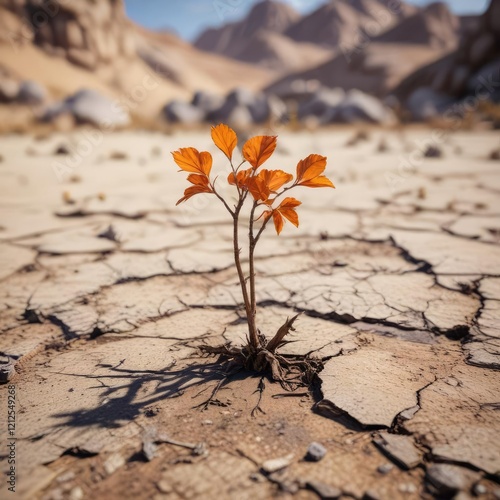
x,y
108,289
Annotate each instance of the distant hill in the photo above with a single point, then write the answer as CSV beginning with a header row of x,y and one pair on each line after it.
x,y
259,39
434,26
92,44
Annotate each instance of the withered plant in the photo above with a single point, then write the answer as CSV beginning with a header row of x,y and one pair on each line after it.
x,y
264,189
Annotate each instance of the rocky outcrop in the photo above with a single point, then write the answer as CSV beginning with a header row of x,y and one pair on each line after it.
x,y
87,33
472,70
435,26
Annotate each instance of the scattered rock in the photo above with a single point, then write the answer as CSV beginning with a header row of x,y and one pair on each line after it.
x,y
7,368
89,107
426,103
31,93
407,488
433,152
76,493
164,486
495,154
207,102
324,491
62,149
113,463
9,90
118,155
479,489
183,113
385,468
315,452
276,464
149,449
401,449
371,495
446,479
382,146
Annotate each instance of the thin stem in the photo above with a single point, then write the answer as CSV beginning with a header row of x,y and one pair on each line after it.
x,y
253,338
251,256
228,208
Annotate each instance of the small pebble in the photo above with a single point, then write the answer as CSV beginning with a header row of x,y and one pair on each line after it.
x,y
76,493
325,491
371,495
480,489
276,464
407,488
164,486
207,422
385,468
66,476
315,452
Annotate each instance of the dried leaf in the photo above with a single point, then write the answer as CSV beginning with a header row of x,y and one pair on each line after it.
x,y
286,209
241,178
191,160
225,139
201,185
310,170
258,188
259,149
275,179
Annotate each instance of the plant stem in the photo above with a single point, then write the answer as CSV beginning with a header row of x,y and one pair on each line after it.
x,y
251,255
252,331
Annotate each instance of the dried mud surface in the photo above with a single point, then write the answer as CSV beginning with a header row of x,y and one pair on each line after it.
x,y
107,289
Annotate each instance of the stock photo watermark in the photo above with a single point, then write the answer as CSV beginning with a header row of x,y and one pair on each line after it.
x,y
11,441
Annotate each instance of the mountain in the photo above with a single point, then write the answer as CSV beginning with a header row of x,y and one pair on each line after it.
x,y
341,23
434,26
228,40
92,44
472,69
374,70
259,39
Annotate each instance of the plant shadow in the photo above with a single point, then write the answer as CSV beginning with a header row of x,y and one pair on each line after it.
x,y
116,408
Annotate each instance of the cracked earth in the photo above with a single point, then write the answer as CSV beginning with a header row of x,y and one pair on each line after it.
x,y
107,289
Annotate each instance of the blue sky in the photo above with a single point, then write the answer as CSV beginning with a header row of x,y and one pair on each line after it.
x,y
189,17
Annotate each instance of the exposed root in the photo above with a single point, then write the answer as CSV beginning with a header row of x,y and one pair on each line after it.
x,y
291,372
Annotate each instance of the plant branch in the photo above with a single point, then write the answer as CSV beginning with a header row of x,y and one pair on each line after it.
x,y
252,331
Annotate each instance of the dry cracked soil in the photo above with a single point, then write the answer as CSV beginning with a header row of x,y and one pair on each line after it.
x,y
107,290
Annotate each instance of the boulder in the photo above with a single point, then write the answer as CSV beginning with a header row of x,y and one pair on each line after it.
x,y
426,103
239,118
361,107
322,104
9,90
31,93
486,81
206,101
88,106
183,112
244,104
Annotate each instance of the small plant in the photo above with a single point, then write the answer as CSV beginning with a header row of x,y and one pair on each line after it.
x,y
264,189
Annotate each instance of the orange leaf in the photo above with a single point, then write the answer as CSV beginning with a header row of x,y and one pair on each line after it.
x,y
198,180
191,160
241,178
278,221
310,170
225,139
258,188
259,149
201,185
286,209
274,179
